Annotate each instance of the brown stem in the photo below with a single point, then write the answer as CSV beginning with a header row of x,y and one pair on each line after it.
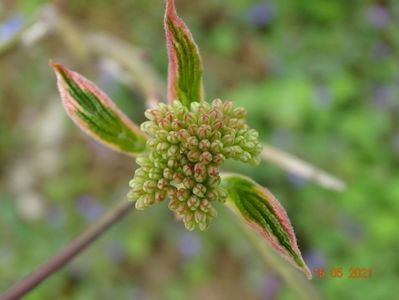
x,y
75,247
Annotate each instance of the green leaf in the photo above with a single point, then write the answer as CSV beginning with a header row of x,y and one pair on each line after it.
x,y
257,207
95,113
185,69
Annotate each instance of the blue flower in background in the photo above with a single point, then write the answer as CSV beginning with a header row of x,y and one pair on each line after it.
x,y
271,287
315,259
189,244
89,208
261,15
378,16
9,27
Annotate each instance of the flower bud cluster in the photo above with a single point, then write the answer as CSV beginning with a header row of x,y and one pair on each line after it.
x,y
186,149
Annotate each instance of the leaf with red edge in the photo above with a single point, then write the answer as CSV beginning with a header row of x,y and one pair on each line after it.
x,y
257,207
185,68
95,113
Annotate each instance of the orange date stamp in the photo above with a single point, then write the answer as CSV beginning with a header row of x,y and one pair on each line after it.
x,y
339,272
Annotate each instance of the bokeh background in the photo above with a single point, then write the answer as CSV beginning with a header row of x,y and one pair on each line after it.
x,y
320,79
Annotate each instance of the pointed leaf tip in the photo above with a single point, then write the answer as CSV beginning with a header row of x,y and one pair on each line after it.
x,y
185,68
257,207
95,113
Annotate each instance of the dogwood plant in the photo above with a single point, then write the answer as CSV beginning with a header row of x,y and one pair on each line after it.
x,y
182,146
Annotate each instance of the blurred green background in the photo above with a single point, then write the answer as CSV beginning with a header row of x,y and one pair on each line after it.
x,y
320,79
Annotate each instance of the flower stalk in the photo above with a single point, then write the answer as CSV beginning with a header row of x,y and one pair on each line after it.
x,y
74,248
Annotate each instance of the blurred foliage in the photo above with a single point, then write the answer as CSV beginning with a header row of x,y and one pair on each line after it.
x,y
320,79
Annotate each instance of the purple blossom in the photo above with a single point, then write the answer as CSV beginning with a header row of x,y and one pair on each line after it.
x,y
314,259
270,287
380,50
296,181
377,16
189,244
383,97
89,208
11,26
261,15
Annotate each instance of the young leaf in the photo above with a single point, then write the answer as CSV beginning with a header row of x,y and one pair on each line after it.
x,y
95,113
185,69
260,209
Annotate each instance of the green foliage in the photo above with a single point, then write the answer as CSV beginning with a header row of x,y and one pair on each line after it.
x,y
95,114
261,210
185,70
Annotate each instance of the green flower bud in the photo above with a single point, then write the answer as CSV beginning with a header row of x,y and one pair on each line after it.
x,y
188,182
148,200
239,112
219,159
176,125
172,163
216,147
192,143
172,191
211,195
188,170
161,147
227,140
205,157
173,151
213,171
204,145
186,147
193,155
168,174
227,107
154,174
183,194
204,131
162,134
178,177
162,184
173,137
200,170
199,190
192,129
149,186
183,135
193,202
214,181
173,204
199,216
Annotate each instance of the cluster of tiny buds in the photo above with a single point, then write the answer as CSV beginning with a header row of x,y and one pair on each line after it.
x,y
186,147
